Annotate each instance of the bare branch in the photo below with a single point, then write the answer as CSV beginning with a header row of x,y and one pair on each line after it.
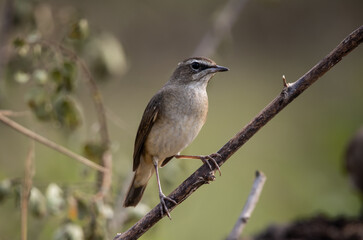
x,y
222,25
27,184
50,144
10,113
249,206
288,94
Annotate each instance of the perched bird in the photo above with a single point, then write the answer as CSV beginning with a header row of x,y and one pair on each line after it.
x,y
171,121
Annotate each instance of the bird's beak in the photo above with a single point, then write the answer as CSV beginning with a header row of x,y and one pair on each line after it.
x,y
218,68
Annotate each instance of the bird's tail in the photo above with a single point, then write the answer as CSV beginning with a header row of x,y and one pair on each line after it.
x,y
138,185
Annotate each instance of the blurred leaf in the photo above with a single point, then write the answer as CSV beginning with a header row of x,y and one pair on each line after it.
x,y
21,46
80,30
38,101
94,151
106,56
69,231
105,210
18,42
83,206
138,212
37,50
37,203
65,77
23,13
40,76
33,37
21,77
66,112
72,211
5,189
55,201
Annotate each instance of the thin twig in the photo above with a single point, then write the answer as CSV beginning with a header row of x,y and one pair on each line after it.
x,y
50,144
287,95
222,25
249,206
10,113
27,184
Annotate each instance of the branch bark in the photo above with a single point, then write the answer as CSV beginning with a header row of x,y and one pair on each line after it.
x,y
27,185
249,206
287,95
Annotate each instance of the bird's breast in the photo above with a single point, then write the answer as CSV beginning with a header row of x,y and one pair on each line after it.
x,y
181,118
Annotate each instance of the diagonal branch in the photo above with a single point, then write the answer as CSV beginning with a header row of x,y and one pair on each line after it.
x,y
23,130
287,95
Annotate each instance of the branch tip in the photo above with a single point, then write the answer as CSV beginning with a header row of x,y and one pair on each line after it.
x,y
284,81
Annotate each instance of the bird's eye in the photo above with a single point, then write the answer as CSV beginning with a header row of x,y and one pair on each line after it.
x,y
195,65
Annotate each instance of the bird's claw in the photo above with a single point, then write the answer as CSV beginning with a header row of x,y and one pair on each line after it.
x,y
163,207
206,179
205,159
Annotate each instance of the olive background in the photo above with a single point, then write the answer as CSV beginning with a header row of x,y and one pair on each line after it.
x,y
301,150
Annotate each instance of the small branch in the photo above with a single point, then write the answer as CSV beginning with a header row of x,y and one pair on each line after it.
x,y
10,113
27,184
287,95
50,144
249,206
222,25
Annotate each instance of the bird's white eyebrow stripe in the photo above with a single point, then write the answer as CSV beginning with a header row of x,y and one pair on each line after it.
x,y
199,61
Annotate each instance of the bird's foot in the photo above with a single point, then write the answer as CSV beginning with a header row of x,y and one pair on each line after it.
x,y
207,158
163,207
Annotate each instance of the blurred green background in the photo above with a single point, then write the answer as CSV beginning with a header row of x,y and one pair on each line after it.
x,y
300,150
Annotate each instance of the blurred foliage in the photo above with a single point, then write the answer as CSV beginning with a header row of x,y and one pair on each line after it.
x,y
42,62
299,151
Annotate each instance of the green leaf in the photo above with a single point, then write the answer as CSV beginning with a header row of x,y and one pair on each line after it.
x,y
66,112
79,30
65,77
93,151
39,102
18,42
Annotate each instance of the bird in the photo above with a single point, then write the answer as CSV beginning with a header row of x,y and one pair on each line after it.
x,y
171,121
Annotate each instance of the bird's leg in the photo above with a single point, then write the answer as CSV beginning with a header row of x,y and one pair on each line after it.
x,y
163,207
205,159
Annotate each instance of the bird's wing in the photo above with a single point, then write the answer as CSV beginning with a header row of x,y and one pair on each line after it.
x,y
148,119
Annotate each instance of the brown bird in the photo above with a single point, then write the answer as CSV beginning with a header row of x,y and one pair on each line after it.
x,y
171,121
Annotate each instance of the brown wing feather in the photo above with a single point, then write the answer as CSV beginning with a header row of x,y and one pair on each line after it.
x,y
148,119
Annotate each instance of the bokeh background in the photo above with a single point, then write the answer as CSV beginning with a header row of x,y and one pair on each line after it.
x,y
300,151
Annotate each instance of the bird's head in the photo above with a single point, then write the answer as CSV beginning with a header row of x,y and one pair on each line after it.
x,y
196,70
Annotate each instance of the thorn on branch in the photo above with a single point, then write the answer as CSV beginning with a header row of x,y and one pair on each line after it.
x,y
286,85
